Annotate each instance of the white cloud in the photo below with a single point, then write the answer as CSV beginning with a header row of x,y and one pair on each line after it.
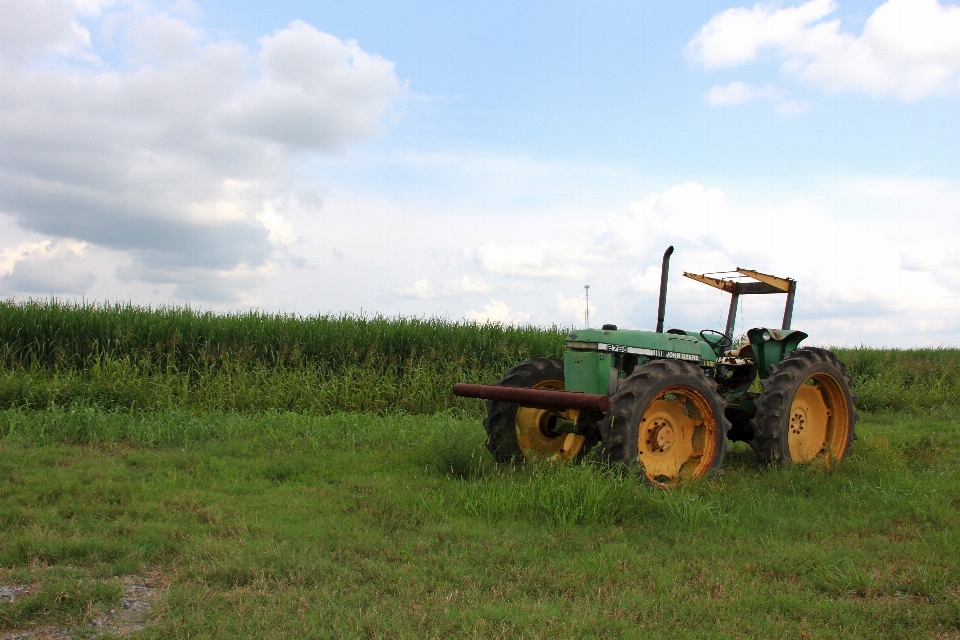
x,y
30,28
855,249
683,210
921,259
498,311
160,37
545,260
44,268
281,233
874,261
423,289
737,36
465,286
316,91
612,254
570,311
169,154
927,227
908,48
741,92
644,281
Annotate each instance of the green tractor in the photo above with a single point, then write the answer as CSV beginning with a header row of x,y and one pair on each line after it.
x,y
664,404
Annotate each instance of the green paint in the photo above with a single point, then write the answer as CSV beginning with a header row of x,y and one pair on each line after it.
x,y
690,344
587,372
771,345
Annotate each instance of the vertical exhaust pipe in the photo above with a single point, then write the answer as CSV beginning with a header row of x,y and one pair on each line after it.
x,y
664,271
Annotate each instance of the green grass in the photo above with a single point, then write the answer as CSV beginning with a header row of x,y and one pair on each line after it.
x,y
283,525
52,334
902,379
415,387
126,357
313,476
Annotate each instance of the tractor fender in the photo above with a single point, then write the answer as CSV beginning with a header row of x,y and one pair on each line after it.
x,y
771,345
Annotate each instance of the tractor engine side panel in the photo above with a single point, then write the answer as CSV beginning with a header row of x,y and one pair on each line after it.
x,y
587,371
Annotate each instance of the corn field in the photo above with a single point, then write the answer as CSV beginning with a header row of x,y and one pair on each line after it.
x,y
126,357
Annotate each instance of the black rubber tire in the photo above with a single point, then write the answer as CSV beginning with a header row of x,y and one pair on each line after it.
x,y
771,424
619,429
500,422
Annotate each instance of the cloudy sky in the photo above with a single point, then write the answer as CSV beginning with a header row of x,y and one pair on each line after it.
x,y
485,160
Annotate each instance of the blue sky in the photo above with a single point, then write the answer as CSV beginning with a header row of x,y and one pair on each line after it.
x,y
608,82
487,159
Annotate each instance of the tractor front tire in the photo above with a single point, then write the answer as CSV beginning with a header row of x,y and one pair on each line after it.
x,y
806,412
515,433
666,424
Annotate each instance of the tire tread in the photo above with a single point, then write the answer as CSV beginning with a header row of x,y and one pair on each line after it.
x,y
616,445
500,423
778,390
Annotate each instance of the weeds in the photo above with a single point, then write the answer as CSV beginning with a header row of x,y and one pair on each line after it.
x,y
848,578
560,494
895,379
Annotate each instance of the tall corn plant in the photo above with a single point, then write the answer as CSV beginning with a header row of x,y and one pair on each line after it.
x,y
121,355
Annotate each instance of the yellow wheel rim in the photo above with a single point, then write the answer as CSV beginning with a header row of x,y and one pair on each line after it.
x,y
819,420
677,437
534,439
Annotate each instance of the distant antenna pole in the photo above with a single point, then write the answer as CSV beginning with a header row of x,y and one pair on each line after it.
x,y
586,311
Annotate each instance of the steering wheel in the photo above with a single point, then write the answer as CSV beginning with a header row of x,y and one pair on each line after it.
x,y
717,345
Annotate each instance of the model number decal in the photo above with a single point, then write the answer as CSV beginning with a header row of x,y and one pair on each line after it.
x,y
656,353
619,348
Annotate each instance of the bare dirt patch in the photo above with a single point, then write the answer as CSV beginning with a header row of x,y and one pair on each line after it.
x,y
140,594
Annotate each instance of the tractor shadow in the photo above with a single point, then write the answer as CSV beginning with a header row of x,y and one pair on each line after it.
x,y
741,458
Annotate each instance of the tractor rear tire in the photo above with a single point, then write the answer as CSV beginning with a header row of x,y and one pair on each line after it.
x,y
666,424
515,433
807,410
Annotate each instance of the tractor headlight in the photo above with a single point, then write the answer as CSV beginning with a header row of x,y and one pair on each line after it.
x,y
765,336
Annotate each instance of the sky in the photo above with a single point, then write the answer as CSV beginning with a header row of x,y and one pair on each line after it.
x,y
486,160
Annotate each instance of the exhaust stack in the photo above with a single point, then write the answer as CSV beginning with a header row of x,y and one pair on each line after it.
x,y
664,272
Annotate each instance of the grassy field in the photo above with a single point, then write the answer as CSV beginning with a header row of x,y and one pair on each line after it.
x,y
312,477
279,525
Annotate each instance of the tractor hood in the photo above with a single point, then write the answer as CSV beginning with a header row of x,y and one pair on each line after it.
x,y
643,343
